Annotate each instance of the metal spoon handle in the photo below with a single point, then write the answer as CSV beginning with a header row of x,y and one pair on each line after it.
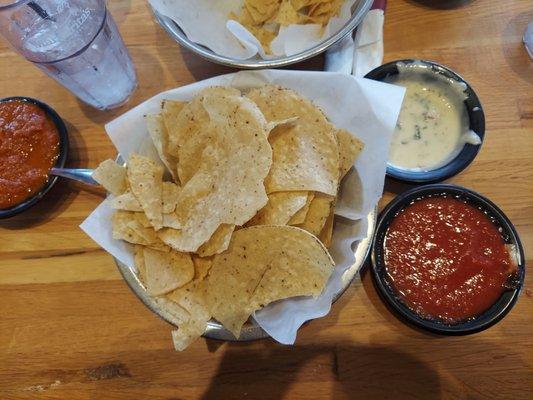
x,y
77,174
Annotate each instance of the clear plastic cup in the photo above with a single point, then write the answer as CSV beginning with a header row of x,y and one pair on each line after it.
x,y
76,42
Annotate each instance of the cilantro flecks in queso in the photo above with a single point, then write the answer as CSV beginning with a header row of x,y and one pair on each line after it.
x,y
446,259
29,147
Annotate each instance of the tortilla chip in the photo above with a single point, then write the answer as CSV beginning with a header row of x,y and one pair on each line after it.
x,y
147,233
187,334
191,298
274,124
229,176
327,231
141,218
170,113
180,315
280,208
287,14
299,4
170,197
139,263
261,10
159,246
131,227
264,35
218,242
304,155
349,149
318,213
202,265
191,124
122,230
127,202
171,220
299,217
166,271
111,176
264,264
158,133
146,181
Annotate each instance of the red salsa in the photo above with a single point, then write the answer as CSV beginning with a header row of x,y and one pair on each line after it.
x,y
29,147
446,259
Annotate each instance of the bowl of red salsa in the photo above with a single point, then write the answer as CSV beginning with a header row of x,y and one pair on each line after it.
x,y
33,140
447,259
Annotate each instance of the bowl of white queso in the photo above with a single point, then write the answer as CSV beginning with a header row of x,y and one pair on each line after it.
x,y
441,124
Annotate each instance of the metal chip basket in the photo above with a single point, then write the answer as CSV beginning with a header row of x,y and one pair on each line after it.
x,y
359,10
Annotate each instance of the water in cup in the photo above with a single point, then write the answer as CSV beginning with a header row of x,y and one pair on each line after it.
x,y
77,43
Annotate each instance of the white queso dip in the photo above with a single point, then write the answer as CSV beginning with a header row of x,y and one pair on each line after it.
x,y
433,125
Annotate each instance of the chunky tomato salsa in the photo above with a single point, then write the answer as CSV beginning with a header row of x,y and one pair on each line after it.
x,y
446,259
29,147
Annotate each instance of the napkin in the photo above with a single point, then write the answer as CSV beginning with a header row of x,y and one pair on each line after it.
x,y
361,54
367,108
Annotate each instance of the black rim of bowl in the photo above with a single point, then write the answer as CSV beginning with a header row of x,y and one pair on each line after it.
x,y
476,118
489,317
60,163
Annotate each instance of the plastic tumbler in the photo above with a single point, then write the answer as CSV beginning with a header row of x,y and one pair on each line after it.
x,y
76,42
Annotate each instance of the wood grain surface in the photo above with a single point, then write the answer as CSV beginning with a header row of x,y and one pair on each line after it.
x,y
71,329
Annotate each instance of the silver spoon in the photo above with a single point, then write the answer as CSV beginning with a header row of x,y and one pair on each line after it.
x,y
77,174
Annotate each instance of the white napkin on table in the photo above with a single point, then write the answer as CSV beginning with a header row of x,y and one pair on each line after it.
x,y
364,53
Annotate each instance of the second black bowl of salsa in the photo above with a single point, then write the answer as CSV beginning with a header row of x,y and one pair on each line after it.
x,y
447,259
33,139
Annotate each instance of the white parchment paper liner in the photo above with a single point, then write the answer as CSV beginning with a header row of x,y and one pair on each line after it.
x,y
206,22
367,108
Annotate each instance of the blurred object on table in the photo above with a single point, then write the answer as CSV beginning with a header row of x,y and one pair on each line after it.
x,y
528,39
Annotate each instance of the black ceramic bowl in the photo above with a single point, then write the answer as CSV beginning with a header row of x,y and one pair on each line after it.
x,y
60,163
489,317
475,115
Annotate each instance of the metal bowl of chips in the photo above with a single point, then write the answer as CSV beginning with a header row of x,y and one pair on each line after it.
x,y
359,10
274,256
251,330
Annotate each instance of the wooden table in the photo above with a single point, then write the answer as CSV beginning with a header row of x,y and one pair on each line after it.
x,y
70,328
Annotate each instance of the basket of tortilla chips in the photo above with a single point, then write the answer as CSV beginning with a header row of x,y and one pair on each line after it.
x,y
259,33
230,207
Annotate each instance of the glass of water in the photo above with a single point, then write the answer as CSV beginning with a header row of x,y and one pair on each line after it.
x,y
76,42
